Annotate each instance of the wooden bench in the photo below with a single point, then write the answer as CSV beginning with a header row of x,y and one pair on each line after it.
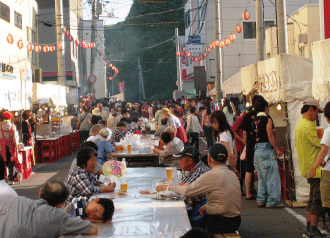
x,y
229,235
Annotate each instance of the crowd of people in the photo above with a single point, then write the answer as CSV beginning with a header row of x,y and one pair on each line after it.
x,y
239,142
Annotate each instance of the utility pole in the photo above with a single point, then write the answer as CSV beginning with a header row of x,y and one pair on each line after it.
x,y
260,31
93,37
282,32
141,84
218,66
178,64
60,38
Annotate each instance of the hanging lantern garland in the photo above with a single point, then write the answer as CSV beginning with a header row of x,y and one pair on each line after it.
x,y
216,43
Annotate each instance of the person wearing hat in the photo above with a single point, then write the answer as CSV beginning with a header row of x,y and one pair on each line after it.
x,y
308,146
96,116
222,212
104,147
189,161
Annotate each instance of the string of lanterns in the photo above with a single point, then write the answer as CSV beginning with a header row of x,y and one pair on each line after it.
x,y
111,66
151,1
50,47
216,43
156,23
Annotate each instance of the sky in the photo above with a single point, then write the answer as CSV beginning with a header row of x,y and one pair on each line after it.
x,y
113,11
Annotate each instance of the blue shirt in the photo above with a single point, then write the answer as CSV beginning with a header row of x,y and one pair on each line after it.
x,y
104,147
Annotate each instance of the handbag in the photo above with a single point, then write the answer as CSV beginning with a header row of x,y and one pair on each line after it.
x,y
82,120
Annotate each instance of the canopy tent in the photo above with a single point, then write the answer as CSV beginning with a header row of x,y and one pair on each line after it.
x,y
178,94
321,69
47,93
233,85
283,79
119,96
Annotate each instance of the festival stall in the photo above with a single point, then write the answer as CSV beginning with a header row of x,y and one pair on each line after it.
x,y
232,86
284,81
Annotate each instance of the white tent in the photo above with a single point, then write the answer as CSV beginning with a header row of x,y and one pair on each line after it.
x,y
284,78
42,93
233,85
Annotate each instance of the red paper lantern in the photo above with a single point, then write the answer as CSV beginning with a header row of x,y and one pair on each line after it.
x,y
221,44
110,78
67,33
232,37
246,15
70,38
188,54
10,39
116,70
45,48
238,28
110,65
29,47
216,42
20,44
100,53
227,42
113,67
51,48
59,45
208,50
196,60
205,54
82,44
37,48
76,42
211,45
93,45
177,53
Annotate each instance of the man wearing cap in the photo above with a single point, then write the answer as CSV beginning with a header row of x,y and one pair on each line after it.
x,y
189,161
222,213
308,147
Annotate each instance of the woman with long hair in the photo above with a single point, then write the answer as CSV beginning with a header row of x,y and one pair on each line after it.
x,y
207,125
228,111
175,123
223,134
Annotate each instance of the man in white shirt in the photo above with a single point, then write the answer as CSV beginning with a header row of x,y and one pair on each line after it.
x,y
95,131
7,194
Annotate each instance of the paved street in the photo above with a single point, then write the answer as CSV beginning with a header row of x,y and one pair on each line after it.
x,y
256,222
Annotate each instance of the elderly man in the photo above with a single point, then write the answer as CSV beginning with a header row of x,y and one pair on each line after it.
x,y
95,131
44,217
7,194
308,147
189,161
222,213
104,113
104,147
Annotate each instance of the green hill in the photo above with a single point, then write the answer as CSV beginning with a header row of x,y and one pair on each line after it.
x,y
126,44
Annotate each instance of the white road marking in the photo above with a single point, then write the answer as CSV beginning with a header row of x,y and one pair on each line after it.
x,y
299,217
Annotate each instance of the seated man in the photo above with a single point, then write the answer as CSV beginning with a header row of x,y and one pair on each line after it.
x,y
43,218
162,128
190,162
104,125
95,131
104,147
119,132
7,194
98,210
222,213
170,147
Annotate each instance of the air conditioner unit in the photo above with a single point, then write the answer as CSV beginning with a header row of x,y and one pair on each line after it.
x,y
38,75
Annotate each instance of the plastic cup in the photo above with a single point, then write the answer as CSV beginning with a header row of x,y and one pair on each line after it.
x,y
169,173
123,187
129,148
319,131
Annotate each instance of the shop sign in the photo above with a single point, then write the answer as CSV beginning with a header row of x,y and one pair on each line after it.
x,y
268,83
6,68
29,75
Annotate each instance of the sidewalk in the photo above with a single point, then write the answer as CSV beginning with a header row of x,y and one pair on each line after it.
x,y
42,173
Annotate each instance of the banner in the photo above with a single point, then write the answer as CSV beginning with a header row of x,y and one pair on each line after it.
x,y
10,94
121,87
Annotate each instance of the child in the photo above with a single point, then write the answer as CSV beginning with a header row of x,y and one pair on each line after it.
x,y
98,210
136,125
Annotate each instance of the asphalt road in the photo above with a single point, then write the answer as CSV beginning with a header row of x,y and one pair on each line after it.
x,y
256,222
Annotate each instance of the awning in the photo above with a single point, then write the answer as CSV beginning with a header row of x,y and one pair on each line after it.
x,y
233,85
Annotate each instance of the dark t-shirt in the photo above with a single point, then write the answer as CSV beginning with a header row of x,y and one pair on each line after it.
x,y
259,126
247,126
95,119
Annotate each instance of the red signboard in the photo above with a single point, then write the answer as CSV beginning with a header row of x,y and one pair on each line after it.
x,y
184,74
121,87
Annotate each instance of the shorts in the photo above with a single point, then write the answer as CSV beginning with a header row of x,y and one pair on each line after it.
x,y
314,204
325,188
249,160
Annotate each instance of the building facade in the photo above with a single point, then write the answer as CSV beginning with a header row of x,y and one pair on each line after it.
x,y
17,65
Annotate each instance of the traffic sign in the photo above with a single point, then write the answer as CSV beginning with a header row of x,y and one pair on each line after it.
x,y
92,79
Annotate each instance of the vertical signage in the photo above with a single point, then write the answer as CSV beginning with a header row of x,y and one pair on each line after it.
x,y
325,19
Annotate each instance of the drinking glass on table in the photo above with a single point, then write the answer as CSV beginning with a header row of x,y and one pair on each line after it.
x,y
169,173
